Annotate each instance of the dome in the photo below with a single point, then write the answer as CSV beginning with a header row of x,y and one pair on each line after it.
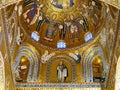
x,y
62,20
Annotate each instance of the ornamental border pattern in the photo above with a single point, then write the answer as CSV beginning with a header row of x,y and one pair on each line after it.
x,y
62,85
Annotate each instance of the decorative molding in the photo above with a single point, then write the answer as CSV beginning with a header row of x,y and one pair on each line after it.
x,y
62,85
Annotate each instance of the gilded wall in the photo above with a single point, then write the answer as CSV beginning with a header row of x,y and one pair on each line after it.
x,y
113,83
5,71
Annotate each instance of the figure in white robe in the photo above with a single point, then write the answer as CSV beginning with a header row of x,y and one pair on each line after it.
x,y
62,73
17,72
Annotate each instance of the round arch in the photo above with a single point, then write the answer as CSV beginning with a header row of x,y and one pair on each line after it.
x,y
68,59
29,77
33,58
86,62
90,64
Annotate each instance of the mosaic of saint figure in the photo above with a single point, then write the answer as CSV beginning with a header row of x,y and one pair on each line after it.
x,y
62,3
62,32
17,73
74,31
46,56
39,21
51,31
76,56
32,14
20,73
62,72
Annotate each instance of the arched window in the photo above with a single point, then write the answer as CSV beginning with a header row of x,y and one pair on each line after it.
x,y
61,45
88,37
35,36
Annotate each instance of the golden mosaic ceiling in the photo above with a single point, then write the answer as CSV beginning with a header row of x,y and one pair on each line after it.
x,y
55,21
